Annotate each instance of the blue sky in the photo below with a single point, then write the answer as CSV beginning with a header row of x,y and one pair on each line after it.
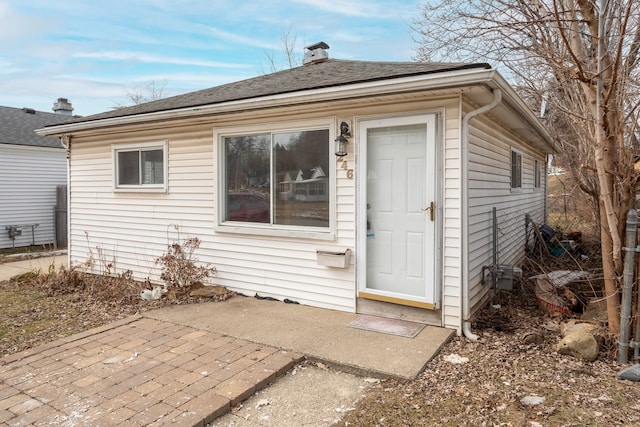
x,y
95,53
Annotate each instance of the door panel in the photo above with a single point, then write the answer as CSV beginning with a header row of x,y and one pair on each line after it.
x,y
399,247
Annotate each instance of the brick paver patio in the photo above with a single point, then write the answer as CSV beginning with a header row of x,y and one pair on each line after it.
x,y
136,372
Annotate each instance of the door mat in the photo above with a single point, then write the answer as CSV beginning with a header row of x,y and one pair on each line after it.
x,y
402,328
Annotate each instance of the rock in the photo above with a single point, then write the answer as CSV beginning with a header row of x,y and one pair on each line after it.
x,y
455,359
632,373
580,344
574,325
552,326
535,338
532,400
261,403
209,291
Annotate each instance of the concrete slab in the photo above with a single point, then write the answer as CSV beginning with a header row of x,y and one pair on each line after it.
x,y
318,333
41,263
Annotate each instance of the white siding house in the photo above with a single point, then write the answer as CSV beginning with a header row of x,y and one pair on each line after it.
x,y
32,167
404,219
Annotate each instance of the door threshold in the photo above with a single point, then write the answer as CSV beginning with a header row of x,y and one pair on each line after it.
x,y
397,311
394,300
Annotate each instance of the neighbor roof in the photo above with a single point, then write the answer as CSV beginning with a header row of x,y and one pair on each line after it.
x,y
328,73
18,125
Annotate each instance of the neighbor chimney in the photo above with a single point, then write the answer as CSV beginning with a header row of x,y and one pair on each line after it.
x,y
62,106
316,53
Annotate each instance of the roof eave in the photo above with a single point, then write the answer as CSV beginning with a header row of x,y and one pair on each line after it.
x,y
450,79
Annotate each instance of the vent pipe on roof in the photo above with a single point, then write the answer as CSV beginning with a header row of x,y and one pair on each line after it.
x,y
62,106
315,53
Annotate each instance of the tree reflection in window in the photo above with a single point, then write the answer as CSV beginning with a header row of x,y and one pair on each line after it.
x,y
288,170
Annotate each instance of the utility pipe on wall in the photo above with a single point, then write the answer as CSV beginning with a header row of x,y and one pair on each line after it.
x,y
466,304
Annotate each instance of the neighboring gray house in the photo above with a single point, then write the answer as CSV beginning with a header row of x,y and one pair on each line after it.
x,y
414,157
32,167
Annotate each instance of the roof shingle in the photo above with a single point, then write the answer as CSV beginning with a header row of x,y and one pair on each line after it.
x,y
17,126
329,73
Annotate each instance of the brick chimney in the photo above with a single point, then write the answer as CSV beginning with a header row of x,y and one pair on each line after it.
x,y
62,106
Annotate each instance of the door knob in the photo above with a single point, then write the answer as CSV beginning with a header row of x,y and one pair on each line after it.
x,y
432,210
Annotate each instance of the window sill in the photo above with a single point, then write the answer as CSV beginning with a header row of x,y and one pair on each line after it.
x,y
270,232
140,190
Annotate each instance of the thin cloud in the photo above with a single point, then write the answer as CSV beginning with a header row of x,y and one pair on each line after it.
x,y
153,59
355,8
240,39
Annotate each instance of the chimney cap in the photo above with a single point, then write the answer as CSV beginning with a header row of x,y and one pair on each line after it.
x,y
319,45
316,53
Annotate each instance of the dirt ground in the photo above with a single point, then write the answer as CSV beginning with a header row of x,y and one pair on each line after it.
x,y
309,395
500,380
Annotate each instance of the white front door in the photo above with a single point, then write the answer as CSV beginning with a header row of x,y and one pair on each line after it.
x,y
397,245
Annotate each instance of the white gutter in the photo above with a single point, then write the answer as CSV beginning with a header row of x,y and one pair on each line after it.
x,y
466,306
447,80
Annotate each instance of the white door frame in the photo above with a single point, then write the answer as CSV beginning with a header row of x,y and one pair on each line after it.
x,y
432,300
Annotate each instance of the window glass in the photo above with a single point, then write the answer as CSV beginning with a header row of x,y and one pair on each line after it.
x,y
248,168
152,167
536,174
516,169
128,168
140,167
278,178
301,175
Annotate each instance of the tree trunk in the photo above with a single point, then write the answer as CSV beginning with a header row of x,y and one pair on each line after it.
x,y
610,275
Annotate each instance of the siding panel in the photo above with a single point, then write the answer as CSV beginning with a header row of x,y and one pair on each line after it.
x,y
28,180
489,187
136,227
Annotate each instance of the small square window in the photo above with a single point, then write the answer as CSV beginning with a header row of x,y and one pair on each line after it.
x,y
140,167
516,169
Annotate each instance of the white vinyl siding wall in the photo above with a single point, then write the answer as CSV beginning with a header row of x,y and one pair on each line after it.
x,y
451,218
489,165
132,229
28,180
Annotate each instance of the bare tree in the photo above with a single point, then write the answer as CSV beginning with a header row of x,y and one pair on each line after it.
x,y
289,58
144,92
581,55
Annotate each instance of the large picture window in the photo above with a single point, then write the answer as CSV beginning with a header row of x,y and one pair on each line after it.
x,y
277,178
140,167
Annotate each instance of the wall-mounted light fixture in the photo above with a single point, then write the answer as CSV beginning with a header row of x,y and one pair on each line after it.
x,y
341,141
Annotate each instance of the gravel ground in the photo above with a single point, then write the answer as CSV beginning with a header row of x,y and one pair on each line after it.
x,y
309,395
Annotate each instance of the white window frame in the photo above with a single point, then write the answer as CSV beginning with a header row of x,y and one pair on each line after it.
x,y
259,229
519,155
145,146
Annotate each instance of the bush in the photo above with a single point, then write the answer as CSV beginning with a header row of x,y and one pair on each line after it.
x,y
179,268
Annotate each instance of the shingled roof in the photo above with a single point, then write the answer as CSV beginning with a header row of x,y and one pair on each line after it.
x,y
17,126
328,73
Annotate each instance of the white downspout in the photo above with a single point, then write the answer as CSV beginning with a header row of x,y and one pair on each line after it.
x,y
65,140
466,309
